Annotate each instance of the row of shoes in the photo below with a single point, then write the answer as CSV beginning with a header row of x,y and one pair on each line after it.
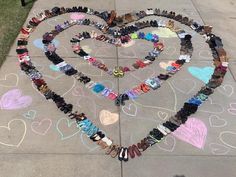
x,y
158,133
117,72
171,69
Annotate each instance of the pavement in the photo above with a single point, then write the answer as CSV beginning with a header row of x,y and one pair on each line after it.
x,y
38,140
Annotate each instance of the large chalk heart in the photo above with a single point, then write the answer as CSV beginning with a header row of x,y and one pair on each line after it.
x,y
194,132
14,99
203,74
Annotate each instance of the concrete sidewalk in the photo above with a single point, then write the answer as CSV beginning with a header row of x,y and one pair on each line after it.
x,y
40,141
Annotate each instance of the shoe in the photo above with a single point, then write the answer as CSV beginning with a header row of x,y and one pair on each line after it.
x,y
125,155
136,150
131,152
121,152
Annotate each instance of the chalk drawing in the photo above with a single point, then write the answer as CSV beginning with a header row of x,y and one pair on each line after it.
x,y
7,129
10,80
230,141
226,89
162,115
168,144
164,65
14,99
41,127
204,74
218,149
232,108
77,16
185,86
211,107
194,132
31,114
66,132
130,110
108,118
216,121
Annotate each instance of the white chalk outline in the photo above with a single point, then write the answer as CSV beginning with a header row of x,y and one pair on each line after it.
x,y
5,79
8,128
221,139
218,118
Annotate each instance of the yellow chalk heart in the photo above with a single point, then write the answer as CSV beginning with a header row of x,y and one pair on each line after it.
x,y
164,65
108,118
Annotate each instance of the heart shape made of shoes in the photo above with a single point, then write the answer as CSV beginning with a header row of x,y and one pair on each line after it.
x,y
82,121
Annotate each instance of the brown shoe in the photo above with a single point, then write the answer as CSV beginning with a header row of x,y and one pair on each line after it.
x,y
131,152
136,150
112,17
115,151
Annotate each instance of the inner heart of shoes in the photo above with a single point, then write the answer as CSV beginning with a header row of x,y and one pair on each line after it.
x,y
120,71
90,129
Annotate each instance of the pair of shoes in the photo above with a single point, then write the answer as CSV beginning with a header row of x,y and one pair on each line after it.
x,y
144,87
120,100
171,126
113,150
156,133
96,137
206,91
66,108
123,154
163,76
132,150
143,145
118,72
153,83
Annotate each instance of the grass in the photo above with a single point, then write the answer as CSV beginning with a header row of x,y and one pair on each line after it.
x,y
12,17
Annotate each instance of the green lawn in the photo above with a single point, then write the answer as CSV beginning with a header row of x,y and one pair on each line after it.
x,y
12,17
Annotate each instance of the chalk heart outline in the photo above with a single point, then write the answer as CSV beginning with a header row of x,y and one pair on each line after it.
x,y
9,129
37,124
208,110
168,144
226,90
226,143
14,99
108,118
232,108
9,77
194,132
162,115
218,149
31,114
182,87
216,121
69,124
204,74
128,110
83,140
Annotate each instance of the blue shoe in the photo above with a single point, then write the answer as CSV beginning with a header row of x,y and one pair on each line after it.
x,y
98,88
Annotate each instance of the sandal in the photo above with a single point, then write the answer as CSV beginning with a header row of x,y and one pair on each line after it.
x,y
115,151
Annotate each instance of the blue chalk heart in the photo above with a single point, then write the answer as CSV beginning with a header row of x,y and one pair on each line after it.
x,y
38,43
203,74
54,68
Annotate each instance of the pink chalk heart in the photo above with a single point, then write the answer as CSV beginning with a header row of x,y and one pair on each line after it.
x,y
194,132
41,127
77,16
14,99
